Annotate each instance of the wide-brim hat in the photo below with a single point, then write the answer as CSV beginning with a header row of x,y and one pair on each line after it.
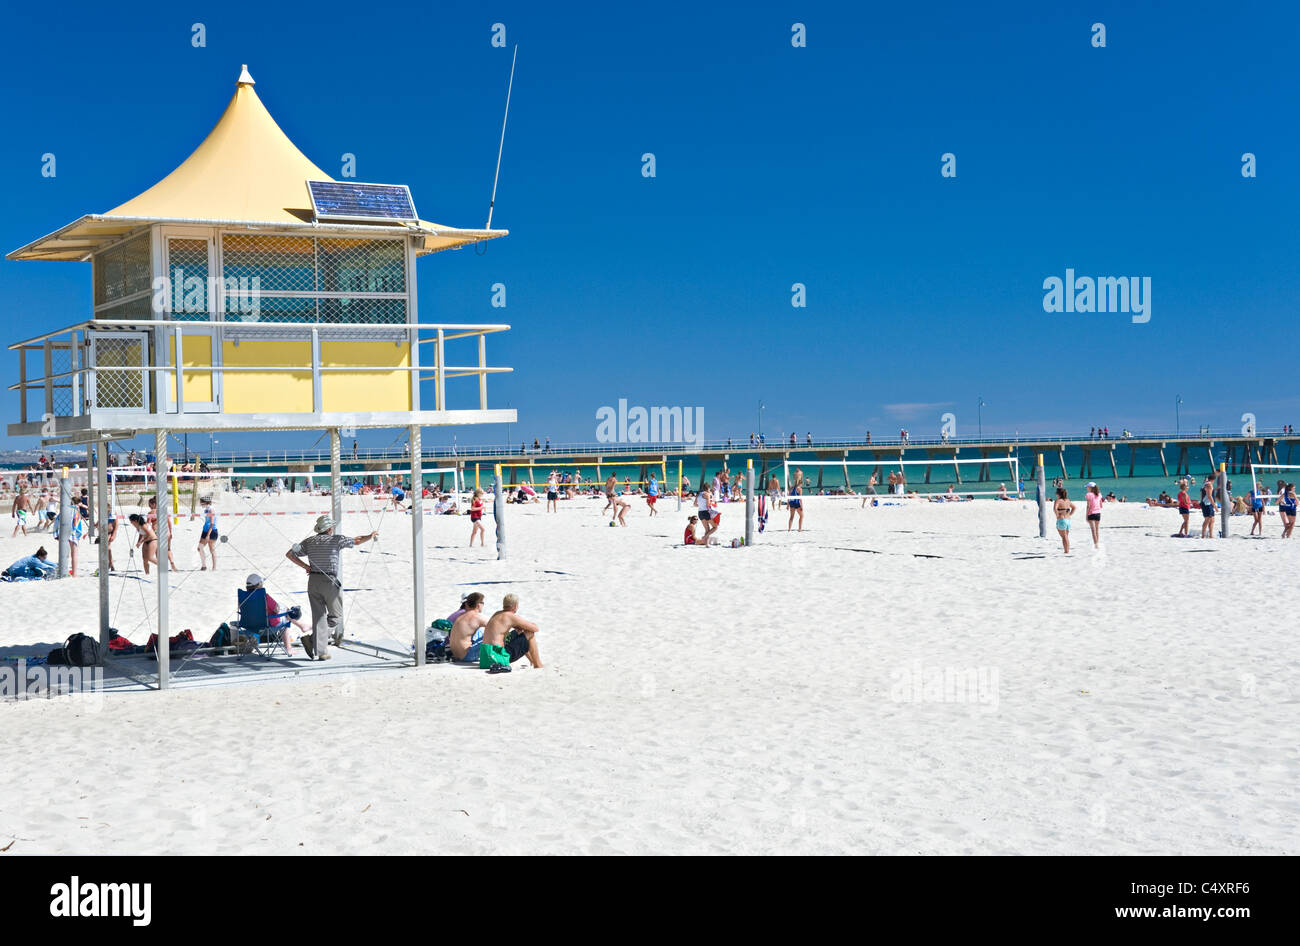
x,y
323,524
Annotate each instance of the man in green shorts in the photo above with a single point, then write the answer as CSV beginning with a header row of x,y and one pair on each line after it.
x,y
506,638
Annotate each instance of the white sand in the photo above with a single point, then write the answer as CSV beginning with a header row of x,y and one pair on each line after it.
x,y
1136,700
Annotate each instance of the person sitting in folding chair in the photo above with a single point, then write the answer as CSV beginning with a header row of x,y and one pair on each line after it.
x,y
261,615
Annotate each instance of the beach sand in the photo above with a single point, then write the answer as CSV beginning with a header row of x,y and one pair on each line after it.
x,y
788,697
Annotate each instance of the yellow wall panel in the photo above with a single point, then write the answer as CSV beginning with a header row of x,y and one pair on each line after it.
x,y
253,392
197,350
366,390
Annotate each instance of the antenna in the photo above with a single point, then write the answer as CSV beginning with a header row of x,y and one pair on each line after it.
x,y
501,147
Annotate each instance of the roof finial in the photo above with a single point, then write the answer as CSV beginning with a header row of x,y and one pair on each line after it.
x,y
244,77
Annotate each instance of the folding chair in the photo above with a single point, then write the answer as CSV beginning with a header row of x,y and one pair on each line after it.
x,y
255,624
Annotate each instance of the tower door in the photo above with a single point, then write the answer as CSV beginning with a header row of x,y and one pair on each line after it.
x,y
193,296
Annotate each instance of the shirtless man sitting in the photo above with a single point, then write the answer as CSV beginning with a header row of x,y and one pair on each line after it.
x,y
467,632
506,638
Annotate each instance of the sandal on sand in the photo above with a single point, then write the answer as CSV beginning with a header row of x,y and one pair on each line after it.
x,y
498,668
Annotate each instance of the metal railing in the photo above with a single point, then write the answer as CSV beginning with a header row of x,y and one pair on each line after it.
x,y
83,380
558,451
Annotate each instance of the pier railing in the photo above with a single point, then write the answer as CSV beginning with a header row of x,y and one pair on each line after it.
x,y
557,452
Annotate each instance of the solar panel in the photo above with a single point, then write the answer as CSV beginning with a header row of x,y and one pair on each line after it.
x,y
348,200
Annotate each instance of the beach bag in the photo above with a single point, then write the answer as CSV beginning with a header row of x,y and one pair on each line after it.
x,y
435,639
82,650
223,636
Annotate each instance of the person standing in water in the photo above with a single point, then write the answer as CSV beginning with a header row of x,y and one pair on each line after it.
x,y
1094,501
1064,511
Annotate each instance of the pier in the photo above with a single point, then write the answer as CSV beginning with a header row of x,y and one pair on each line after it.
x,y
1115,457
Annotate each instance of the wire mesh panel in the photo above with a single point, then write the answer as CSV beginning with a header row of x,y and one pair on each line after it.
x,y
362,266
187,265
61,362
368,310
253,264
122,270
119,390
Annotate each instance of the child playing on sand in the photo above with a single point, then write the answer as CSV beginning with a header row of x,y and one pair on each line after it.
x,y
689,537
476,518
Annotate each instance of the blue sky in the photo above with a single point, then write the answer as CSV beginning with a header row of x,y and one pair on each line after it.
x,y
775,165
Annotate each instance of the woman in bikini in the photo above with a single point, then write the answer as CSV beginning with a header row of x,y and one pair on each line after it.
x,y
146,541
794,502
1064,511
476,518
208,536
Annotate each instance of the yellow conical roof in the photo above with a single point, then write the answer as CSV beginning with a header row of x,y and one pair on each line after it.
x,y
246,169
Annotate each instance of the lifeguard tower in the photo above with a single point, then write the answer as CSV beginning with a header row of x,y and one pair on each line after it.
x,y
249,290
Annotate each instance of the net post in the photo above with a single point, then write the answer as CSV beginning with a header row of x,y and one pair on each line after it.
x,y
1223,500
101,503
65,524
499,514
163,544
1041,490
417,540
749,502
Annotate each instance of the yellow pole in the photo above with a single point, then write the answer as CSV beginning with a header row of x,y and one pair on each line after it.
x,y
176,498
476,486
679,477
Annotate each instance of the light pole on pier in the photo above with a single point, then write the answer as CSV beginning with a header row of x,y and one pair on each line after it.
x,y
980,411
1177,420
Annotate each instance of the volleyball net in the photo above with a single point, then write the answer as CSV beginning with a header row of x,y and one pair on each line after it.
x,y
895,478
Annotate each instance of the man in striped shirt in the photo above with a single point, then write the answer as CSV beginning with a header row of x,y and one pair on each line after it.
x,y
324,586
